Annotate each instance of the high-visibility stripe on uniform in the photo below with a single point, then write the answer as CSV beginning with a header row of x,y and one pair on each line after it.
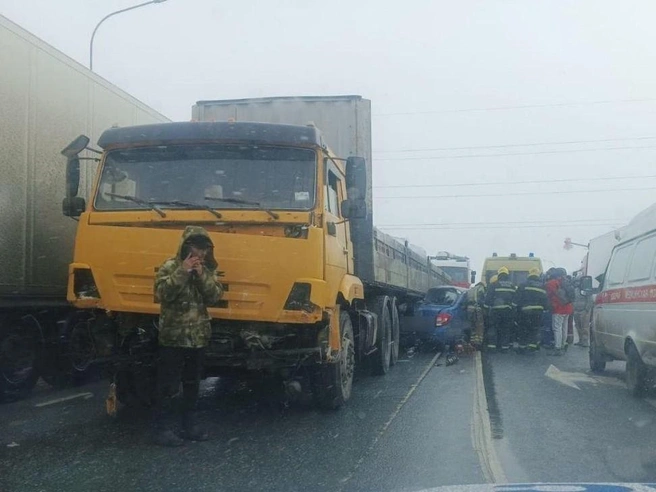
x,y
536,289
532,308
504,289
502,306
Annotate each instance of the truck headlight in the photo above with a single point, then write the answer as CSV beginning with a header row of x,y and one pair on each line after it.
x,y
299,298
84,286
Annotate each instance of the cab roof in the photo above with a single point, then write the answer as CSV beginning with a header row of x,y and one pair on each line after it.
x,y
228,132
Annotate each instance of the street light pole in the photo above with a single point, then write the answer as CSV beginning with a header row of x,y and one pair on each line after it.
x,y
111,15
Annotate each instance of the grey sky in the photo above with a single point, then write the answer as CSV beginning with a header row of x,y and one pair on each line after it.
x,y
416,57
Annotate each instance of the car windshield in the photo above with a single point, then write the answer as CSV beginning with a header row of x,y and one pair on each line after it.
x,y
223,176
443,297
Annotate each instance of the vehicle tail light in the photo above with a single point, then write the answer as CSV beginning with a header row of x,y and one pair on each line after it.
x,y
442,319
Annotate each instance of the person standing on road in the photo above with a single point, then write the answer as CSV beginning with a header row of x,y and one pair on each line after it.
x,y
475,302
531,301
582,311
499,300
561,309
184,286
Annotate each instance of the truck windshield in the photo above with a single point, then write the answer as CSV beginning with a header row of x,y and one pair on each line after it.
x,y
457,274
517,277
223,176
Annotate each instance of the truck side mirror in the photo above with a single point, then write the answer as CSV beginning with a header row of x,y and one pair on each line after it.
x,y
586,283
354,209
71,152
72,176
73,206
472,279
356,177
76,146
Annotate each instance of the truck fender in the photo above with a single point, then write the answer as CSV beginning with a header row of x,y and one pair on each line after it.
x,y
351,288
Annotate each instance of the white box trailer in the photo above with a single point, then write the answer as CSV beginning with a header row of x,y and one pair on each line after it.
x,y
46,97
345,123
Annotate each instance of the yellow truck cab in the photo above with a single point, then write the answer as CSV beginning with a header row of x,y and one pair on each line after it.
x,y
311,287
518,266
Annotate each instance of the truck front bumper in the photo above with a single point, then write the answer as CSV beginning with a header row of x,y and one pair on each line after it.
x,y
264,359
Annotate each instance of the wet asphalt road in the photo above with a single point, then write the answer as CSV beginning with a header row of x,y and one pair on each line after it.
x,y
412,429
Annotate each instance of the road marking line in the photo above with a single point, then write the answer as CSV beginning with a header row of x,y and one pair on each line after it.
x,y
86,396
481,430
386,425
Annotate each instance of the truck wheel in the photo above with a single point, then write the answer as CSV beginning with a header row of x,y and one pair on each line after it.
x,y
396,333
636,372
382,356
333,383
597,360
19,348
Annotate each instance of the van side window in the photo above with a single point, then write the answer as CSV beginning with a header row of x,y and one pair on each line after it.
x,y
643,260
618,264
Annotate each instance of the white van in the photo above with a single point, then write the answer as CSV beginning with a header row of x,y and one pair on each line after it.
x,y
624,314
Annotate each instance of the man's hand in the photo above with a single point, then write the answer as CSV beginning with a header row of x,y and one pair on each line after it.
x,y
198,267
190,263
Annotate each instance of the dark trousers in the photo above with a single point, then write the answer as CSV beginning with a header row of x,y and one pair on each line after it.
x,y
529,323
175,365
501,327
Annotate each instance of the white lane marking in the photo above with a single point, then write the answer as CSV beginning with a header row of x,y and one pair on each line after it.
x,y
86,396
571,378
481,430
385,426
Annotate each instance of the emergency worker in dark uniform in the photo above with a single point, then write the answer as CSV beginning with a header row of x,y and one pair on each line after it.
x,y
475,302
185,286
531,301
499,302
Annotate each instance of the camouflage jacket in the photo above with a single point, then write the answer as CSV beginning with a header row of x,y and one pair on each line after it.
x,y
184,297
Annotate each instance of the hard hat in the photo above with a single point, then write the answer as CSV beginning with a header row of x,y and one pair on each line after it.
x,y
503,270
494,278
534,272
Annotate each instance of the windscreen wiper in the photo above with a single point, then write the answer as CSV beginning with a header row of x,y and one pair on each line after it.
x,y
139,201
243,202
189,206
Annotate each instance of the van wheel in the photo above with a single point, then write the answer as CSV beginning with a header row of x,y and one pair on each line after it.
x,y
396,333
636,373
383,352
597,360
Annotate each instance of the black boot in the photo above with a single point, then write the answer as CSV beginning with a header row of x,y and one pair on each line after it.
x,y
192,430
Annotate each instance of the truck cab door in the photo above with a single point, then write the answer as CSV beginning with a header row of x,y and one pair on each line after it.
x,y
336,242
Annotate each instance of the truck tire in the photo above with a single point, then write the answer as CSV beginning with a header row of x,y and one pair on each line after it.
x,y
597,360
19,349
396,332
333,383
636,372
383,354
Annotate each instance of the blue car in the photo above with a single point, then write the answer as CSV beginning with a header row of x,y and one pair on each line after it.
x,y
440,319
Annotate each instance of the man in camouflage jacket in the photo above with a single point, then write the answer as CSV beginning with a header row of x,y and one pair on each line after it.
x,y
184,286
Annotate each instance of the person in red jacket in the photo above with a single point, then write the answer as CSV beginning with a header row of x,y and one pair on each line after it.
x,y
561,310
